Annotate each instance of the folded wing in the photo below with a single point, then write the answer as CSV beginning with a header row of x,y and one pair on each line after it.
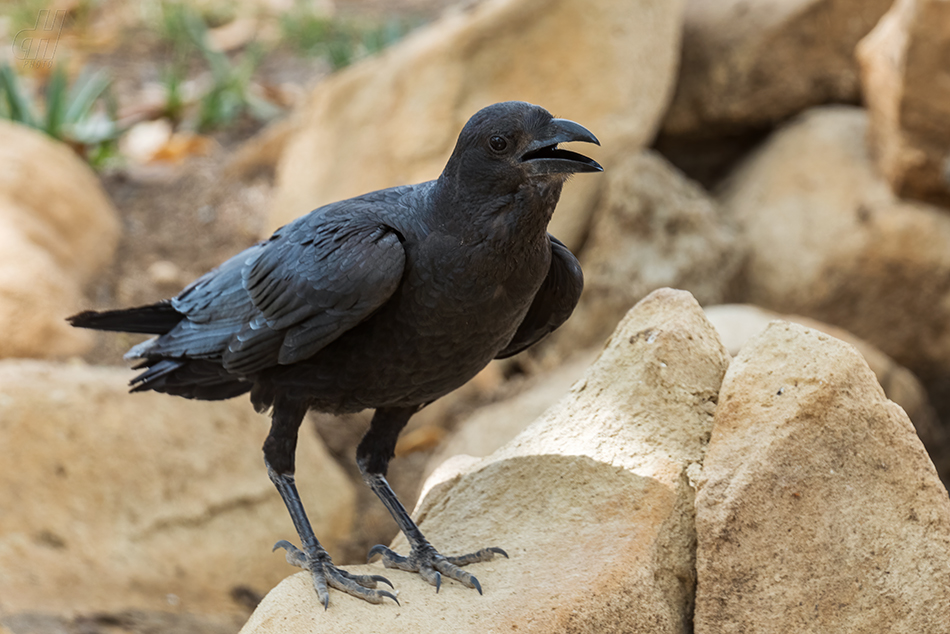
x,y
283,300
553,303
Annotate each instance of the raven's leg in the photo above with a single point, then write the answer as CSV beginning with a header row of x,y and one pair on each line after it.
x,y
279,449
373,456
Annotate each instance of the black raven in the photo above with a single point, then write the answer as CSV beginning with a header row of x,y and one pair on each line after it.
x,y
389,301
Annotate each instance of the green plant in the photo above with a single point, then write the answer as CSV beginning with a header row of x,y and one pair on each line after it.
x,y
305,31
178,23
23,14
172,26
341,41
171,22
69,114
173,78
230,93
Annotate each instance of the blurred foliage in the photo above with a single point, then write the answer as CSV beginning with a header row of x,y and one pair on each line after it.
x,y
340,41
25,14
173,79
175,23
69,113
230,94
164,16
204,88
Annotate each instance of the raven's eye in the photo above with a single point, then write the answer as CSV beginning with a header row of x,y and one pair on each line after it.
x,y
498,143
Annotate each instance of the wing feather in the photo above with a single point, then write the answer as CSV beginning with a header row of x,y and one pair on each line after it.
x,y
283,300
553,303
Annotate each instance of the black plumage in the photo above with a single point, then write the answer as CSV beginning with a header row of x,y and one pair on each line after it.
x,y
389,301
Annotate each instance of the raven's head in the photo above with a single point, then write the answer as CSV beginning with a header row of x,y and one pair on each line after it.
x,y
512,143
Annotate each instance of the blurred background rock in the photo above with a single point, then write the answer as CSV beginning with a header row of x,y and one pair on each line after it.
x,y
791,156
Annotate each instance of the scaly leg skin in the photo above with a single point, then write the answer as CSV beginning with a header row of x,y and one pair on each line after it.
x,y
315,559
423,557
372,456
279,450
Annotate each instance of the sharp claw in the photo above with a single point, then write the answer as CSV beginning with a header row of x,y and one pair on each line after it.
x,y
384,580
431,565
294,556
324,574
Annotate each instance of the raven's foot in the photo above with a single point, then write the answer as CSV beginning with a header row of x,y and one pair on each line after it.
x,y
324,574
431,565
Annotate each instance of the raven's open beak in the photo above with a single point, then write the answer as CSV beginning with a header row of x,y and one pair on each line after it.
x,y
542,155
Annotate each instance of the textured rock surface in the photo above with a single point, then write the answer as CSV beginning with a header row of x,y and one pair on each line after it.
x,y
737,323
57,230
114,501
592,501
906,78
818,509
829,240
394,119
752,63
653,228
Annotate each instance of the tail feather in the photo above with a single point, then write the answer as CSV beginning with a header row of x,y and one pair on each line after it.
x,y
152,377
202,379
154,319
191,378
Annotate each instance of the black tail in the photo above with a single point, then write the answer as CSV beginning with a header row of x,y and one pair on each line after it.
x,y
154,319
191,378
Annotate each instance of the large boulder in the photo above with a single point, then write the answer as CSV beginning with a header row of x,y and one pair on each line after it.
x,y
652,228
592,501
818,509
829,240
906,78
394,119
114,501
57,231
738,323
752,63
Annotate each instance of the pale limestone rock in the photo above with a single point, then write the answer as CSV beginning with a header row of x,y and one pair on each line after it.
x,y
751,63
818,509
906,78
58,229
592,501
394,119
828,239
738,323
36,296
653,228
114,501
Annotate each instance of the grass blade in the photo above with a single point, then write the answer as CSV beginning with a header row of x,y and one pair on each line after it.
x,y
85,91
19,106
